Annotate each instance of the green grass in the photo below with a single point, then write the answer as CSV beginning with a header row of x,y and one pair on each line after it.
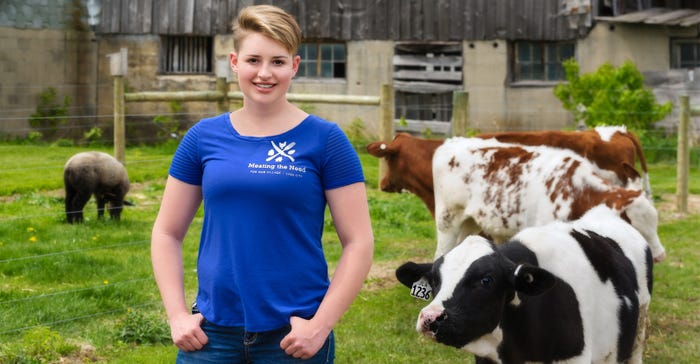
x,y
64,287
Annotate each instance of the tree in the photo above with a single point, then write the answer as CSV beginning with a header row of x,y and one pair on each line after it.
x,y
610,96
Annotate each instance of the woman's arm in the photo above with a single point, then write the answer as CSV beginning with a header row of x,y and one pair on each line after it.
x,y
178,207
350,212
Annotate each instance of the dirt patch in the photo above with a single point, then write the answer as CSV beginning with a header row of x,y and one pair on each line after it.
x,y
382,275
668,209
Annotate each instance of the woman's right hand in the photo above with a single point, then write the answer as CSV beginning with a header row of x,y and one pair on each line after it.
x,y
187,332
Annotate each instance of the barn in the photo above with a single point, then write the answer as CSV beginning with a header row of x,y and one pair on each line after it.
x,y
506,54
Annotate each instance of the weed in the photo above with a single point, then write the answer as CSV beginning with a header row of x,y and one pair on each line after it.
x,y
93,136
357,133
50,114
141,327
38,345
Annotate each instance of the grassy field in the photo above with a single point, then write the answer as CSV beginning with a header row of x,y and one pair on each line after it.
x,y
86,293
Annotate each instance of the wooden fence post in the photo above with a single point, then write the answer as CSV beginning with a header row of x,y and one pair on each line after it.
x,y
118,66
386,122
222,73
683,156
460,113
222,87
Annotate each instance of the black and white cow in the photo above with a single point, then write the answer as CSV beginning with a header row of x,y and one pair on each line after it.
x,y
567,291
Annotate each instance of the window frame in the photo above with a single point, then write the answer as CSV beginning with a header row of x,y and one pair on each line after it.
x,y
540,61
676,53
322,58
194,55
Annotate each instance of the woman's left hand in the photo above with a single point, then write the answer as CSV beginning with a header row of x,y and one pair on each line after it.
x,y
305,339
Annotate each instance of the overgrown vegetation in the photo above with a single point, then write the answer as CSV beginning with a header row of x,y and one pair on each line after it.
x,y
37,345
357,133
171,125
610,96
50,114
139,327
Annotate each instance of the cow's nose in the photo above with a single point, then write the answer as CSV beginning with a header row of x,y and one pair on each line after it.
x,y
426,319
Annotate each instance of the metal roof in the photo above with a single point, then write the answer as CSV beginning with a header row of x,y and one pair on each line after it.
x,y
658,16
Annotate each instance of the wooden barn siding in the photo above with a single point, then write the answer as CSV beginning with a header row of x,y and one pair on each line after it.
x,y
400,20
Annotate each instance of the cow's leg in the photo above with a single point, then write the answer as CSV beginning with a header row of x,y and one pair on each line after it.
x,y
643,217
447,222
640,339
452,228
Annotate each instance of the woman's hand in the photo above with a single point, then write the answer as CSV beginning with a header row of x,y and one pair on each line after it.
x,y
187,332
305,339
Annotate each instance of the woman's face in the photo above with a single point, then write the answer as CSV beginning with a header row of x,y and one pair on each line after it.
x,y
264,67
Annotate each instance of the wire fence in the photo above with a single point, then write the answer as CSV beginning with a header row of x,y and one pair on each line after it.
x,y
158,127
18,256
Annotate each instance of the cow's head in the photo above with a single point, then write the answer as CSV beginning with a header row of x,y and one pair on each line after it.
x,y
409,162
389,151
472,283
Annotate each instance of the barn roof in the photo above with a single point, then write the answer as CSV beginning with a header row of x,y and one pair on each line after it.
x,y
401,20
658,16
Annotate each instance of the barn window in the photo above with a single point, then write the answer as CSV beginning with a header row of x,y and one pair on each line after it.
x,y
322,60
541,61
425,77
185,55
685,53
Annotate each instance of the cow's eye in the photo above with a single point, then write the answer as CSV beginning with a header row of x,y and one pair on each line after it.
x,y
486,281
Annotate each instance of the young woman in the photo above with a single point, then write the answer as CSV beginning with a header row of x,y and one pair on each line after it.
x,y
265,174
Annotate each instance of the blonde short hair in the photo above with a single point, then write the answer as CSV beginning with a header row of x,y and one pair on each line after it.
x,y
270,21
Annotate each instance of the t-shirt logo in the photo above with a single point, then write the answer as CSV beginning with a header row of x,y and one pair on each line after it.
x,y
281,151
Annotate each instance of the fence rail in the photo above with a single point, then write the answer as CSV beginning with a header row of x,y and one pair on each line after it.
x,y
385,100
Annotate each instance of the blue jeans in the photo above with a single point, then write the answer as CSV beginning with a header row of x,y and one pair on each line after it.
x,y
236,345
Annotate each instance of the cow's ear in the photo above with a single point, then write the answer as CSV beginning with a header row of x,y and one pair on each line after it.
x,y
380,149
411,272
532,280
630,171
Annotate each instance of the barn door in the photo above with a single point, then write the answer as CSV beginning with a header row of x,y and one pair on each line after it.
x,y
425,75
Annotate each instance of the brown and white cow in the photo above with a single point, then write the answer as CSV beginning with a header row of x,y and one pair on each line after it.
x,y
409,165
485,186
611,149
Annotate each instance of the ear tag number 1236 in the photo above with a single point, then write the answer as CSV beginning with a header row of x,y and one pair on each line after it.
x,y
421,289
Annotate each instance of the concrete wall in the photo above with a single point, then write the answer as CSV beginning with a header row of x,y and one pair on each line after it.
x,y
647,46
497,105
31,61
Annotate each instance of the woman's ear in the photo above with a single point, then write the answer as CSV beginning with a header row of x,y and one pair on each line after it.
x,y
296,60
233,62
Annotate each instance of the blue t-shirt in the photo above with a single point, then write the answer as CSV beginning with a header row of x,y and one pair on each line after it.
x,y
260,255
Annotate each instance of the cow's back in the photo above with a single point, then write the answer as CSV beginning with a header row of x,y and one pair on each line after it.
x,y
608,264
505,188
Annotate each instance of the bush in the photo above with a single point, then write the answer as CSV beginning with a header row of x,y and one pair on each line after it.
x,y
357,134
610,96
142,328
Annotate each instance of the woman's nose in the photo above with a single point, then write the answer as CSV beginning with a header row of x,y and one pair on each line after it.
x,y
264,72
